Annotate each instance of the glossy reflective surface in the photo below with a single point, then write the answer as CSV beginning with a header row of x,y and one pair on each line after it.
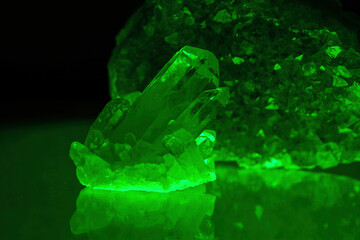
x,y
144,215
43,199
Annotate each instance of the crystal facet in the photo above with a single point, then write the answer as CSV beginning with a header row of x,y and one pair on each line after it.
x,y
149,141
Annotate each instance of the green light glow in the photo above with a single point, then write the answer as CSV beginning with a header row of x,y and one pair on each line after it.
x,y
273,163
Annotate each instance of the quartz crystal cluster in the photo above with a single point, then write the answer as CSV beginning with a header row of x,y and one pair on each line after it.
x,y
293,69
157,140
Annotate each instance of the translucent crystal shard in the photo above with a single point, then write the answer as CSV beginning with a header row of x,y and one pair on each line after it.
x,y
133,215
290,79
148,141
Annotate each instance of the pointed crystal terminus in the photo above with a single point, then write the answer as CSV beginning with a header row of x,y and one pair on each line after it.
x,y
189,72
157,140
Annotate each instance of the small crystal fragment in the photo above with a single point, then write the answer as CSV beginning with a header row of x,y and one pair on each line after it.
x,y
342,71
272,105
172,38
339,82
261,133
238,60
206,142
299,58
223,16
277,67
334,51
309,69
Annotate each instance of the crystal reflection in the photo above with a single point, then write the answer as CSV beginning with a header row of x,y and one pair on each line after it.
x,y
144,215
278,204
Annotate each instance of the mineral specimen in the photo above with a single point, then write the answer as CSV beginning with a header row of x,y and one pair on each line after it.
x,y
156,140
144,215
284,204
292,66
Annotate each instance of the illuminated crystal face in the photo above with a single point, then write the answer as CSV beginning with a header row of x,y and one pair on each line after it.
x,y
294,84
156,140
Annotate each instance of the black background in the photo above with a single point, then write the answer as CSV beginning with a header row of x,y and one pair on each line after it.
x,y
53,59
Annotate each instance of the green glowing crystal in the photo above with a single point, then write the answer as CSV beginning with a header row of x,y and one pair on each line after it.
x,y
284,204
222,16
156,140
339,82
292,67
334,51
299,58
277,67
342,71
144,215
237,60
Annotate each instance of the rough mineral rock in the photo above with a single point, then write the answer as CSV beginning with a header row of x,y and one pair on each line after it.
x,y
280,204
144,215
293,70
156,140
